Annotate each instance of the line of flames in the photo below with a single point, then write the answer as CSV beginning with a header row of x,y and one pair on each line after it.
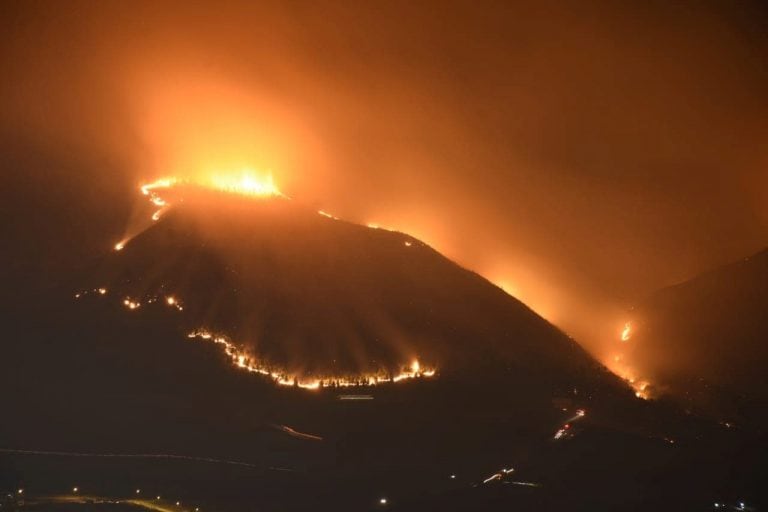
x,y
244,361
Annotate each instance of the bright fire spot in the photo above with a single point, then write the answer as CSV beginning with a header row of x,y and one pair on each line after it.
x,y
407,243
147,188
326,214
641,390
622,367
241,359
247,183
626,333
131,304
120,245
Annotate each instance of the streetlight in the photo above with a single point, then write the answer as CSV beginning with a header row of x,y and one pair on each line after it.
x,y
75,489
383,501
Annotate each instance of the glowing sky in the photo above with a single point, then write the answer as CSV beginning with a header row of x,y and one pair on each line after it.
x,y
579,157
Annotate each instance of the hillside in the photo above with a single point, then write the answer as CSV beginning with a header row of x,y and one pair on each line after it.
x,y
708,338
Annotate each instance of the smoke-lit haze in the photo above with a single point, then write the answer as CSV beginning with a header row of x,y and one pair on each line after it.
x,y
581,156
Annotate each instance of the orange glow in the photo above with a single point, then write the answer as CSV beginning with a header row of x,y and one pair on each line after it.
x,y
641,390
241,359
620,365
120,245
326,214
131,304
247,182
626,333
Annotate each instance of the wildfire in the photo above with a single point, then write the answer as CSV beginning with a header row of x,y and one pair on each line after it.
x,y
626,333
131,304
326,214
241,359
621,367
174,302
246,183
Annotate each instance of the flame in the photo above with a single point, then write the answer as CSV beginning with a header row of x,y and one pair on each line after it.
x,y
326,214
131,304
626,333
241,359
247,183
147,188
619,365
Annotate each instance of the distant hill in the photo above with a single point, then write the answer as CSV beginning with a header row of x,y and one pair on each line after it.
x,y
707,338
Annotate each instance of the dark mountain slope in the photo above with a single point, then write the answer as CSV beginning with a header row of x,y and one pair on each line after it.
x,y
90,375
708,337
320,296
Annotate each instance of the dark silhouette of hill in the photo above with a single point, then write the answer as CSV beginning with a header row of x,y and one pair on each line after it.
x,y
89,375
707,338
322,296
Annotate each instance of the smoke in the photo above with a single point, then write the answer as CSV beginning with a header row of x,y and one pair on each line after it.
x,y
578,157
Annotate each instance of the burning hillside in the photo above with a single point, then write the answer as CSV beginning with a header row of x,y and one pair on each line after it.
x,y
306,299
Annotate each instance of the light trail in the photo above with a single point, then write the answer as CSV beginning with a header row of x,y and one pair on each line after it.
x,y
565,432
169,456
498,476
295,433
103,500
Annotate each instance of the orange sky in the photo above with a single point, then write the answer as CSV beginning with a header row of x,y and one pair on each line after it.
x,y
580,157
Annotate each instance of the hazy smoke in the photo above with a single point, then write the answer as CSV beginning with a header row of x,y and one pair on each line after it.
x,y
581,157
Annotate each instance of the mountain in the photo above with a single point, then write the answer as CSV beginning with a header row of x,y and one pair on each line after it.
x,y
707,339
93,382
316,296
